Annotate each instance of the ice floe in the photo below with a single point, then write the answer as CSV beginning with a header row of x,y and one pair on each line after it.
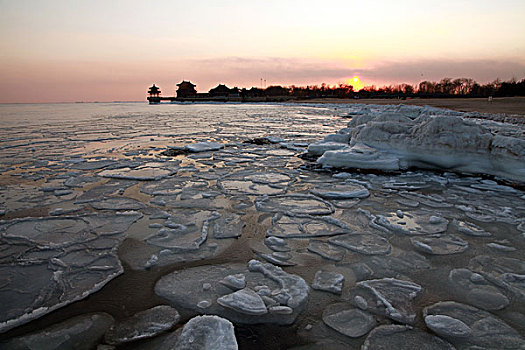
x,y
144,324
395,142
207,333
470,328
245,305
81,332
66,259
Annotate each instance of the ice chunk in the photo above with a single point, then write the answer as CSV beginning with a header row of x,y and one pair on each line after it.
x,y
359,156
351,322
305,226
403,337
82,332
396,296
447,327
442,244
65,258
296,204
486,330
326,250
245,301
328,281
204,147
365,243
341,191
288,290
144,324
479,293
319,148
207,333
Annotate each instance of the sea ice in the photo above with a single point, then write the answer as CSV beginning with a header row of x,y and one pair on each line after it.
x,y
295,204
207,333
305,226
328,281
204,147
144,324
245,305
486,330
245,301
365,243
440,244
351,322
326,250
393,142
81,332
403,338
66,259
341,191
476,291
395,296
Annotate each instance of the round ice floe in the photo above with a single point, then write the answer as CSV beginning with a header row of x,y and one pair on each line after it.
x,y
69,257
447,327
403,337
81,332
470,229
365,243
296,204
328,281
120,203
286,226
395,296
144,324
245,305
142,173
48,231
341,191
411,223
245,301
487,331
349,321
204,147
207,333
479,293
507,273
326,250
441,244
255,183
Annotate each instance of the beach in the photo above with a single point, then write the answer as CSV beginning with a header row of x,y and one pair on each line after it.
x,y
499,105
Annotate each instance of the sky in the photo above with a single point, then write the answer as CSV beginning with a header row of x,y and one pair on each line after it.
x,y
113,50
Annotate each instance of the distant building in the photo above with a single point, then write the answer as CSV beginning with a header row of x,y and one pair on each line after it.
x,y
186,89
154,91
220,90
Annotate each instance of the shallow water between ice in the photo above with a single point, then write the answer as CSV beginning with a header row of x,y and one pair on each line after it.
x,y
96,219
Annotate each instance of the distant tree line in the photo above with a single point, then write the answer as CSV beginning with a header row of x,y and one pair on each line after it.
x,y
446,87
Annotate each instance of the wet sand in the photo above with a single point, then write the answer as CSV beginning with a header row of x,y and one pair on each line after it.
x,y
505,105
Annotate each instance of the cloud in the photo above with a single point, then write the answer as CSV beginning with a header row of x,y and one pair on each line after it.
x,y
275,70
415,71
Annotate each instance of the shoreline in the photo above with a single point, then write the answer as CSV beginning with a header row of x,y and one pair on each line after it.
x,y
514,106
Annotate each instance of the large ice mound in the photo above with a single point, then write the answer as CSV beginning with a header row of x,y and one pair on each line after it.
x,y
392,141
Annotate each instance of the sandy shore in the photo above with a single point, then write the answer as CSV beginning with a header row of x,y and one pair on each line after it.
x,y
506,105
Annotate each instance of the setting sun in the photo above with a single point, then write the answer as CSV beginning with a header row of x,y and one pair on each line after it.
x,y
355,82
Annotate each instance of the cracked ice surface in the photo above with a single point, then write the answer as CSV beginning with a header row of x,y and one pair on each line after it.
x,y
81,192
65,259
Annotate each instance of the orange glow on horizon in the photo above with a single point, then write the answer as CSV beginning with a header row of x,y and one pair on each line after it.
x,y
355,82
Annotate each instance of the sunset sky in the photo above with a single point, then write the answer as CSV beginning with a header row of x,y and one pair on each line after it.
x,y
66,50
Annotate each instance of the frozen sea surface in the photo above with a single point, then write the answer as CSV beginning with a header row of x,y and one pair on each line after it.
x,y
121,222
